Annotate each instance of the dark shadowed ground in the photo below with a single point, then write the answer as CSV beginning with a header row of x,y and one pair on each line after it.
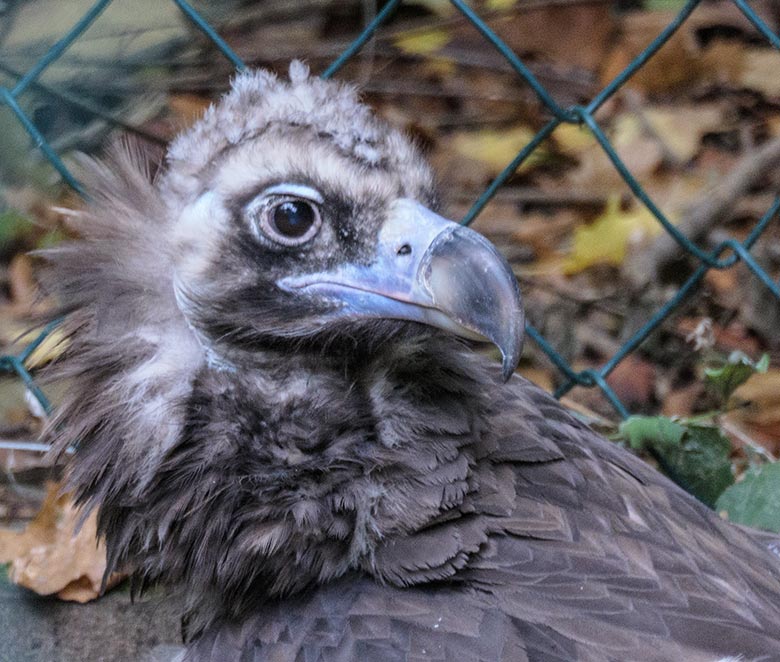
x,y
113,629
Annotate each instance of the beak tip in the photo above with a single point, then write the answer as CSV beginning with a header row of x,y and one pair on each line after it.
x,y
508,366
509,361
510,343
506,372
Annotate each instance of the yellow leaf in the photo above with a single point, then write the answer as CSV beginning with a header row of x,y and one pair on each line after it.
x,y
422,42
605,241
760,71
437,66
573,140
500,5
682,128
626,130
495,148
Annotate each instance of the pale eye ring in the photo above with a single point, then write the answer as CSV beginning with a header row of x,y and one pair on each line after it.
x,y
288,220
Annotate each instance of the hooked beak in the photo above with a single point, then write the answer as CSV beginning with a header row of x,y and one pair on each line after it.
x,y
431,270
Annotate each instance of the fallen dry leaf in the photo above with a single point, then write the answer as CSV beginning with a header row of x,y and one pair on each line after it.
x,y
573,139
52,556
679,64
760,419
423,42
571,34
437,7
634,381
724,282
500,5
673,66
682,401
641,152
681,128
606,240
760,71
763,392
496,149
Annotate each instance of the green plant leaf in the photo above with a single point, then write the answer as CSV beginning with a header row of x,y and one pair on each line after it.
x,y
695,456
723,381
641,431
703,462
755,500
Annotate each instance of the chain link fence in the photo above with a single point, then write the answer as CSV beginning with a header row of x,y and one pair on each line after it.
x,y
723,256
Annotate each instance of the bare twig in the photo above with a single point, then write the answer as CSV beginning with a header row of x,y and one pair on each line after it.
x,y
708,210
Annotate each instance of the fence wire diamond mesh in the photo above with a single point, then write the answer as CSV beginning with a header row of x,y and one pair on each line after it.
x,y
723,256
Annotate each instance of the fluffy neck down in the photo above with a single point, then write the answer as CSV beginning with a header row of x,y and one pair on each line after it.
x,y
290,472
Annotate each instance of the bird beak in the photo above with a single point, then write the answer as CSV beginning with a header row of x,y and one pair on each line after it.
x,y
429,269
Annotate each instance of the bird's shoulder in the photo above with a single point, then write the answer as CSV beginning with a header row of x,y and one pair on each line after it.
x,y
558,520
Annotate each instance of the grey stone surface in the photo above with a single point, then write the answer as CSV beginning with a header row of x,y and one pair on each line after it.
x,y
111,629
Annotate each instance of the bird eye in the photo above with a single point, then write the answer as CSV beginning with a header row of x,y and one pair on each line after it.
x,y
289,221
294,218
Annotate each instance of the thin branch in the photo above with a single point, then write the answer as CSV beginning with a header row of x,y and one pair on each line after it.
x,y
711,208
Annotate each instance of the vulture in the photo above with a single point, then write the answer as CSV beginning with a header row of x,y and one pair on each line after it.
x,y
278,413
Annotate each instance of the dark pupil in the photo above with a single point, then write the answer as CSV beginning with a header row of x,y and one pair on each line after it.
x,y
293,219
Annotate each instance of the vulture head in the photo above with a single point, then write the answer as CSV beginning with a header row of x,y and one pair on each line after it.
x,y
276,409
299,217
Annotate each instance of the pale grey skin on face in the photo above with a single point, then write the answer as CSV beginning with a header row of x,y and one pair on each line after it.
x,y
293,431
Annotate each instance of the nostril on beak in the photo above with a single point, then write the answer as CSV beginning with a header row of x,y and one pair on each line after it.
x,y
404,249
